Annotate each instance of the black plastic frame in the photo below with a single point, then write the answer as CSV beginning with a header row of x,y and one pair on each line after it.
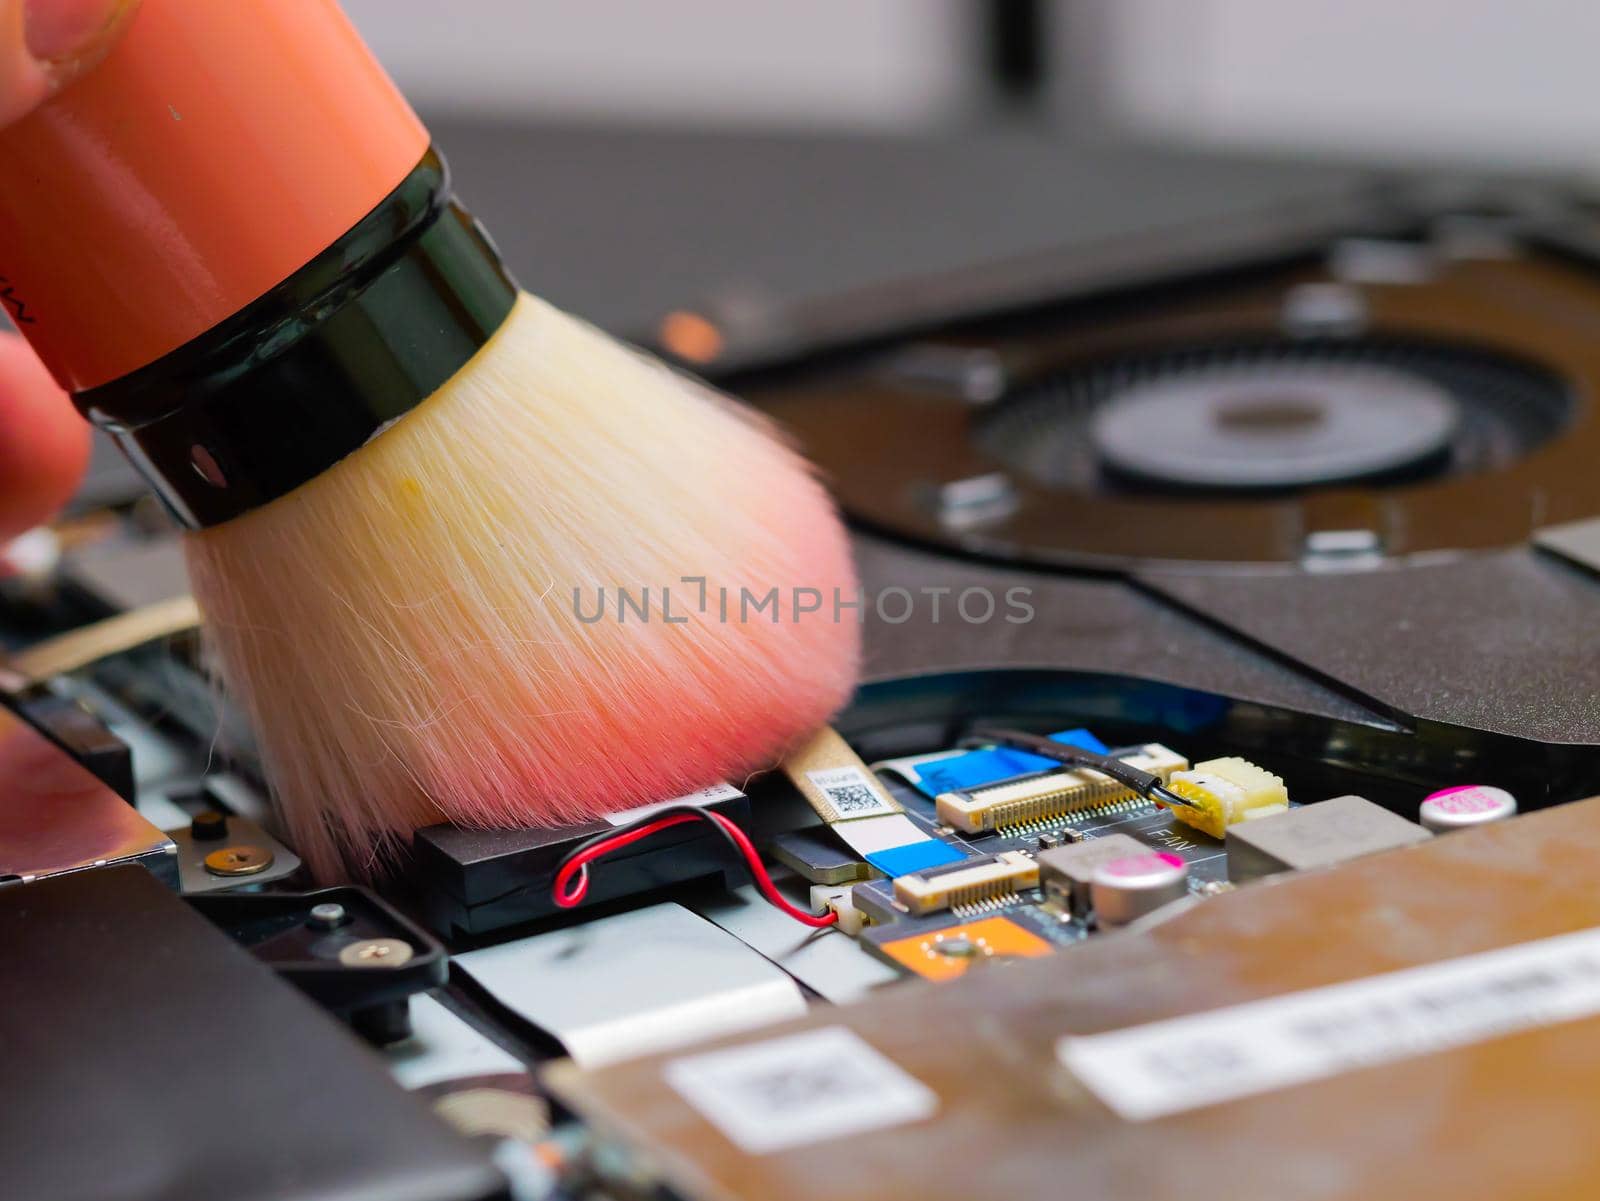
x,y
318,366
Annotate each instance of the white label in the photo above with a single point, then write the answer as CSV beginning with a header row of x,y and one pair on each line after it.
x,y
787,1092
706,796
852,792
879,834
1206,1058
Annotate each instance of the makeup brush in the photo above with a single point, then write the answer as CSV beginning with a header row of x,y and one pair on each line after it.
x,y
459,555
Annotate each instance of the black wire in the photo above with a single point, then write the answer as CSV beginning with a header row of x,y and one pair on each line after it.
x,y
1146,784
656,815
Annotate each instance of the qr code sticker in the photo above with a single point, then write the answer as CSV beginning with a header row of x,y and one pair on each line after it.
x,y
850,792
852,798
805,1088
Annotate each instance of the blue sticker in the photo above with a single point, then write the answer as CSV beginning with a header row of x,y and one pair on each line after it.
x,y
914,857
977,768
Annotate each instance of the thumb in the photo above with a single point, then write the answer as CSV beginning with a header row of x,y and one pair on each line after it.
x,y
44,444
46,43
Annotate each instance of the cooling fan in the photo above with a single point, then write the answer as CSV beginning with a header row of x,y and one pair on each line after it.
x,y
1275,414
1450,412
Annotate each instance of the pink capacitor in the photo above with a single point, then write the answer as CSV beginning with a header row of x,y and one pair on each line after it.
x,y
1125,889
1466,805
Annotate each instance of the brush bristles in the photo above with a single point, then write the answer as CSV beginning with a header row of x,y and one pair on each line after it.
x,y
411,634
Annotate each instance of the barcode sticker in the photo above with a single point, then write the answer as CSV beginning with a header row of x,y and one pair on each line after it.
x,y
706,796
1202,1059
803,1088
852,792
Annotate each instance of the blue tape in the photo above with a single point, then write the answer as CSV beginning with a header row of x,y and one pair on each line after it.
x,y
914,857
977,768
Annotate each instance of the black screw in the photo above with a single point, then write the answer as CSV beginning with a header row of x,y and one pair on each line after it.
x,y
209,826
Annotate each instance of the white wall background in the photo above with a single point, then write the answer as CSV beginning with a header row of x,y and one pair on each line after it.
x,y
1507,81
854,64
1512,82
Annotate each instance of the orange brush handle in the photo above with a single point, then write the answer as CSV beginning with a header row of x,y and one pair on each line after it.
x,y
220,147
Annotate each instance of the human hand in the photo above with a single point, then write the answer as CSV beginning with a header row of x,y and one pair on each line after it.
x,y
45,44
44,445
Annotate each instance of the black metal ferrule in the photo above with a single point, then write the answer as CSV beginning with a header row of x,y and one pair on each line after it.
x,y
313,369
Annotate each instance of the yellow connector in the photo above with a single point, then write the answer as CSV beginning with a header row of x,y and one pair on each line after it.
x,y
1227,791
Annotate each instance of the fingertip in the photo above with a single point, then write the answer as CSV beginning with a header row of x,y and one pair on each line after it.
x,y
46,44
72,32
44,444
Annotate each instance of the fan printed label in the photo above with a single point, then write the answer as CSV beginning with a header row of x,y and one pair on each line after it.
x,y
851,793
1202,1059
804,1088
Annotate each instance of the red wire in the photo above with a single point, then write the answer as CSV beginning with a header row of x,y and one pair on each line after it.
x,y
569,895
569,892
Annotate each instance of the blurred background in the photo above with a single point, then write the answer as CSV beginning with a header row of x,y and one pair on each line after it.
x,y
736,181
635,157
1377,79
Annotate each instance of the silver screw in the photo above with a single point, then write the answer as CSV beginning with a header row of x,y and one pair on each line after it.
x,y
975,501
1323,310
972,374
327,916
